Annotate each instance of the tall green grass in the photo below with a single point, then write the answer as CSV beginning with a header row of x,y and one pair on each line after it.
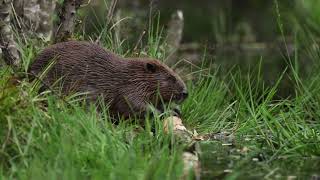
x,y
43,136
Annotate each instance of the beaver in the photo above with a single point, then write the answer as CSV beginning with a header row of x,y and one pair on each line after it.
x,y
127,85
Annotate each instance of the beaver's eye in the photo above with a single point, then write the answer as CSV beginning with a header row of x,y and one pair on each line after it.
x,y
150,67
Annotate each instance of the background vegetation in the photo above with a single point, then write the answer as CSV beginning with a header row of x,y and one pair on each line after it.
x,y
266,96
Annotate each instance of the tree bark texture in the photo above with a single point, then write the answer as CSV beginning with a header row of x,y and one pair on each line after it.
x,y
66,20
47,8
10,52
34,16
174,36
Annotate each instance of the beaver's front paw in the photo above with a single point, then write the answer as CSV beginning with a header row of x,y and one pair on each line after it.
x,y
176,111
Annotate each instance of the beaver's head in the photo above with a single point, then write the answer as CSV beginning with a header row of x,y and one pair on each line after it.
x,y
158,79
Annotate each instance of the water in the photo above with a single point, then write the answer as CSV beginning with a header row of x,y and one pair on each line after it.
x,y
226,161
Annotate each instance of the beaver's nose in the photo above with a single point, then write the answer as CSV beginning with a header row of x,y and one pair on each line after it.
x,y
184,94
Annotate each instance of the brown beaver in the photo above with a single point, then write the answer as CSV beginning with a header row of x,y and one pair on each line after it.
x,y
127,85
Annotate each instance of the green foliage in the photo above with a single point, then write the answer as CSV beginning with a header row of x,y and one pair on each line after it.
x,y
43,136
308,15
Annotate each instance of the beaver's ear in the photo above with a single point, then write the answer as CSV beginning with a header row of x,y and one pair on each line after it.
x,y
150,67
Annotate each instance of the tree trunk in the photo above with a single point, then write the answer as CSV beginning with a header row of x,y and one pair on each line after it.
x,y
10,52
174,36
66,20
45,26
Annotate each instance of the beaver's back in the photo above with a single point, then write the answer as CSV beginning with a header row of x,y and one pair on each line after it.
x,y
78,67
73,54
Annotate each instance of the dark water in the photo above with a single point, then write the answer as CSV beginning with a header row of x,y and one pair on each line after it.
x,y
222,161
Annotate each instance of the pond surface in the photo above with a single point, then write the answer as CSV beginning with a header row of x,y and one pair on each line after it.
x,y
225,161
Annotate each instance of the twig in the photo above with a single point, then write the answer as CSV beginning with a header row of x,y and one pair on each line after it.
x,y
111,11
139,40
109,18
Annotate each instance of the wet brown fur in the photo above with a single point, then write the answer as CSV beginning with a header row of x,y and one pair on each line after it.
x,y
127,85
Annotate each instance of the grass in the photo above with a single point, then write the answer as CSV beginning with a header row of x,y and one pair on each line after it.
x,y
42,136
66,141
